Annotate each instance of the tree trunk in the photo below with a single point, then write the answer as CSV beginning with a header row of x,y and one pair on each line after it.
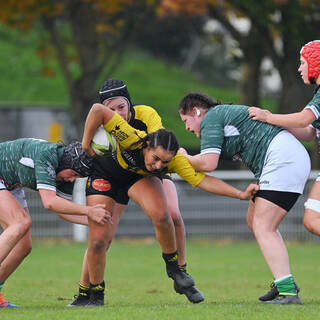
x,y
82,96
294,94
250,69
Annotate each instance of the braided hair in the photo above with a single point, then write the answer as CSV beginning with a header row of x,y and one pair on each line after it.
x,y
196,99
163,138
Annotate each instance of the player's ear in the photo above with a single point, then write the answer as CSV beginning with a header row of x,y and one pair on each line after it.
x,y
196,111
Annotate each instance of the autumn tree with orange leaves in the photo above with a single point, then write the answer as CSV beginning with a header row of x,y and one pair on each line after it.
x,y
93,34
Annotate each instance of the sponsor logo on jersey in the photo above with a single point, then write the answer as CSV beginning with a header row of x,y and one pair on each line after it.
x,y
119,134
101,185
264,182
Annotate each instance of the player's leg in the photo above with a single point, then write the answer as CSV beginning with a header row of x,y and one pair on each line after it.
x,y
15,240
174,211
250,214
193,294
266,219
98,242
15,222
273,292
83,296
285,172
311,218
149,194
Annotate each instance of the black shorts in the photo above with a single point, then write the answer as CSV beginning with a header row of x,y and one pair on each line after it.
x,y
283,199
110,179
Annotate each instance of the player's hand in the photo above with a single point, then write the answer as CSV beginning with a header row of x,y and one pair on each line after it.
x,y
251,190
88,150
256,113
99,214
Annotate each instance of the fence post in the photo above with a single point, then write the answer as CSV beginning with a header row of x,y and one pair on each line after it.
x,y
79,232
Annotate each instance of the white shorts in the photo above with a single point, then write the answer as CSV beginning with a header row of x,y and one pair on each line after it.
x,y
286,165
18,193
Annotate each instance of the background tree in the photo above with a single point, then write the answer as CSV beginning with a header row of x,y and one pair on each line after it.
x,y
89,38
278,29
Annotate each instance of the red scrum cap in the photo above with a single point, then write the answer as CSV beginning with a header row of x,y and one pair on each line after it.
x,y
311,52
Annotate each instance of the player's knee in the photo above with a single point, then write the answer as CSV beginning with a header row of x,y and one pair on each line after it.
x,y
260,228
175,216
311,216
161,219
99,246
311,220
22,225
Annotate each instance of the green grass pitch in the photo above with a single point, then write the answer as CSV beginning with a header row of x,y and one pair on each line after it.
x,y
230,275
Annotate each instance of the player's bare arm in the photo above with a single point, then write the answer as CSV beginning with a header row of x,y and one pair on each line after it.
x,y
293,120
217,186
52,202
98,115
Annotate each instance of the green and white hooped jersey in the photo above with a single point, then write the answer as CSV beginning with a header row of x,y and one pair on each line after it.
x,y
29,163
229,131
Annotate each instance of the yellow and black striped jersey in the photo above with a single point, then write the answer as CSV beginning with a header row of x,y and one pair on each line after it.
x,y
129,155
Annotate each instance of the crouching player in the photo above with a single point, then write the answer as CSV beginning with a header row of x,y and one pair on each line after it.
x,y
38,165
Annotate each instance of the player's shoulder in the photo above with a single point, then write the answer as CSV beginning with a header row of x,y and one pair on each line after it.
x,y
144,110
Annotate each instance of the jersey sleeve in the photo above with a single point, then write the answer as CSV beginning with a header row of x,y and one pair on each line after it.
x,y
212,133
65,190
45,170
181,165
314,105
125,134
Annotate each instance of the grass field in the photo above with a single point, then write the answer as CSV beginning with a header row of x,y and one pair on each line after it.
x,y
230,275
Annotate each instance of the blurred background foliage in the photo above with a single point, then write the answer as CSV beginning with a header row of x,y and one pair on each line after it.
x,y
59,52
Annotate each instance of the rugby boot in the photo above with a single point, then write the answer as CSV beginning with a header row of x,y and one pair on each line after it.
x,y
192,293
273,292
96,299
284,299
5,304
96,295
80,300
181,279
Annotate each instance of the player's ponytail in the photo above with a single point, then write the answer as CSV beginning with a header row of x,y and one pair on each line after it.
x,y
196,99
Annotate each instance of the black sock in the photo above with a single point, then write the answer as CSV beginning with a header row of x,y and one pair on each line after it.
x,y
84,290
183,268
171,260
97,290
